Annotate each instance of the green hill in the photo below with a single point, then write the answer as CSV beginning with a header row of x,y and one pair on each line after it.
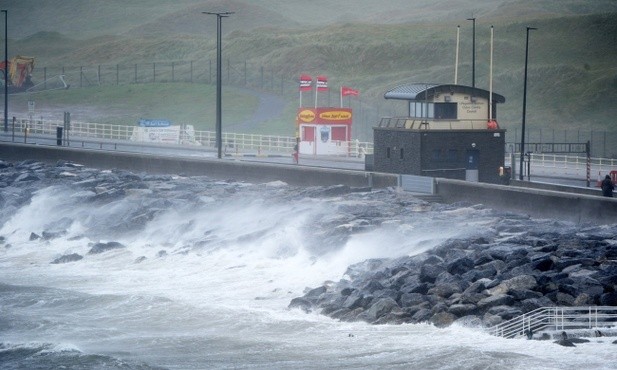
x,y
371,46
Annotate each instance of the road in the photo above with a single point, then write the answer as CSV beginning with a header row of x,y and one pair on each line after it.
x,y
569,175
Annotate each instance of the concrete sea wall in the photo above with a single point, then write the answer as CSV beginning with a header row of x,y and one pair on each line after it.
x,y
215,168
541,203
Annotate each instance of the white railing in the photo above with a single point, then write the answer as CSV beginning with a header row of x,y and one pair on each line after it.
x,y
561,165
557,318
233,142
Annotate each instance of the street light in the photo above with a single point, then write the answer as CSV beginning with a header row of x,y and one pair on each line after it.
x,y
520,174
473,53
6,70
219,31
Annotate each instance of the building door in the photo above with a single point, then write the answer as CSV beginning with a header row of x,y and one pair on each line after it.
x,y
471,170
307,145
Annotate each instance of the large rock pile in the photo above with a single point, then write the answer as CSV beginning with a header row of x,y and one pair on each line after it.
x,y
476,282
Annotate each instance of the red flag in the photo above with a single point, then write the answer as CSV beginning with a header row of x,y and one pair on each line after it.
x,y
306,83
322,83
345,91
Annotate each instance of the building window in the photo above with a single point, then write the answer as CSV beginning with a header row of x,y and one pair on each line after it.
x,y
419,109
308,133
388,152
402,155
339,133
446,110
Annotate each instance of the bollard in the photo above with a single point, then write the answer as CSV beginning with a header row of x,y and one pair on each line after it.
x,y
59,136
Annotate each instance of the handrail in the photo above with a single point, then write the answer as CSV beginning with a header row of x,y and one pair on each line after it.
x,y
233,142
556,318
272,143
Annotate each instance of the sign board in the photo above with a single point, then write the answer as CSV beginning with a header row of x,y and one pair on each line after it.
x,y
324,116
154,123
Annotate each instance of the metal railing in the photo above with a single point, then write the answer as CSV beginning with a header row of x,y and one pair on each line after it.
x,y
557,318
423,123
233,142
236,142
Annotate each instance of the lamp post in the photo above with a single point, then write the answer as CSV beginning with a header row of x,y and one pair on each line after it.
x,y
473,53
6,70
520,173
219,87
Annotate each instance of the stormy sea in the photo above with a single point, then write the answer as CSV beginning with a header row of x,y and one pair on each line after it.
x,y
118,270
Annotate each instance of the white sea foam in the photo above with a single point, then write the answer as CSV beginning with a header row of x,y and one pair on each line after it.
x,y
219,294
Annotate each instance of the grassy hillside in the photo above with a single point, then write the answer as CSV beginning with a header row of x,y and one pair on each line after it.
x,y
372,46
126,104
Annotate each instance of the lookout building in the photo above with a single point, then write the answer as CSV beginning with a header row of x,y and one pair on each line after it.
x,y
449,132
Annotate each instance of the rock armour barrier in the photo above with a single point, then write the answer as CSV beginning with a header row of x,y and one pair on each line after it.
x,y
479,282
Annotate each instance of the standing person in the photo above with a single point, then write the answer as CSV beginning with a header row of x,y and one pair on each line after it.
x,y
607,187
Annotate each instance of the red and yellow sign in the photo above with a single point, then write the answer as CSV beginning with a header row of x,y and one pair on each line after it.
x,y
324,116
306,115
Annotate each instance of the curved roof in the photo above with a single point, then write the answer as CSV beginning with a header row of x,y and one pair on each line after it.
x,y
426,91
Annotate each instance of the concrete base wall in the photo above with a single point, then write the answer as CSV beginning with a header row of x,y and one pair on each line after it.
x,y
215,168
538,203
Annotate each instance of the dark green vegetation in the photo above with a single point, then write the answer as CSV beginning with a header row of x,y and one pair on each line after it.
x,y
369,45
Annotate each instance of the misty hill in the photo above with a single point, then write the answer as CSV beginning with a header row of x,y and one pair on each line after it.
x,y
370,45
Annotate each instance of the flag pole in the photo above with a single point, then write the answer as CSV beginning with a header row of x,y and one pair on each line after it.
x,y
458,33
490,83
316,90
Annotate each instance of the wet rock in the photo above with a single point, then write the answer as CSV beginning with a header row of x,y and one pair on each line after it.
x,y
412,299
48,235
492,281
608,299
495,300
429,272
104,247
67,258
381,307
301,303
522,282
442,319
461,310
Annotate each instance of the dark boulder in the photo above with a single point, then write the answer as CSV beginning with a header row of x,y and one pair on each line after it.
x,y
460,266
382,307
505,312
442,319
429,272
412,299
496,300
354,300
104,247
316,292
67,258
422,315
301,303
461,310
608,299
